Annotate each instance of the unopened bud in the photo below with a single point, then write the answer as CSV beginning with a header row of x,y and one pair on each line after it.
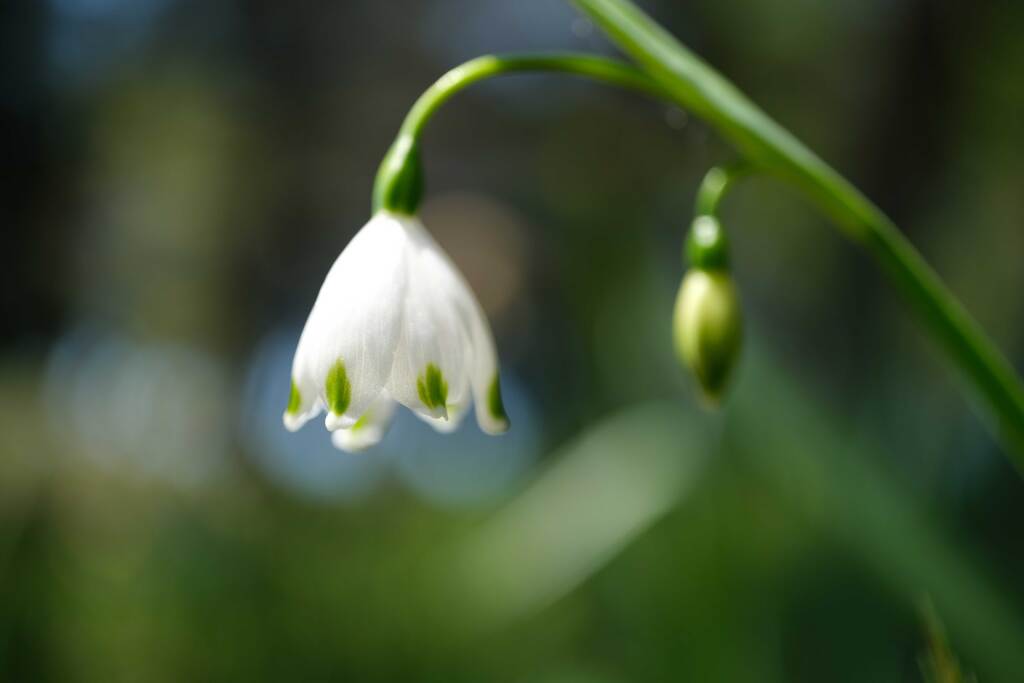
x,y
708,328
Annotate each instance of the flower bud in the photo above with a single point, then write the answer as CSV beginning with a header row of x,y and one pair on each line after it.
x,y
708,328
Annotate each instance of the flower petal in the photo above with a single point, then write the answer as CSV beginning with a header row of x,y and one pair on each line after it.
x,y
484,379
368,429
430,373
347,347
447,425
303,402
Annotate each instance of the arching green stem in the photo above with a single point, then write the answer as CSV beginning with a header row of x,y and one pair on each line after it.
x,y
698,87
716,184
676,75
707,245
399,182
602,69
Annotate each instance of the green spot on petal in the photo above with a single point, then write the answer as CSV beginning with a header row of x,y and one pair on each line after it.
x,y
362,422
495,404
431,388
294,400
338,389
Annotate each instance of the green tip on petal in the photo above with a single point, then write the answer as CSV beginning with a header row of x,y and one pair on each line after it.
x,y
338,389
495,404
432,389
362,422
294,400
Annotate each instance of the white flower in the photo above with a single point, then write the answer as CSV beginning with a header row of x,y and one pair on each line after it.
x,y
394,322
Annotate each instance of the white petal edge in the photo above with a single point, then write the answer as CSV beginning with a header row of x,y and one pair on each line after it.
x,y
356,320
449,424
484,379
309,404
294,421
433,338
369,429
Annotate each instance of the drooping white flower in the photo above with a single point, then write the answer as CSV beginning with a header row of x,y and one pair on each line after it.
x,y
394,322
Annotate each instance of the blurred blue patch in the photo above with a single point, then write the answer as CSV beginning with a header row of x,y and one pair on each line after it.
x,y
464,468
89,37
305,461
156,410
459,30
467,467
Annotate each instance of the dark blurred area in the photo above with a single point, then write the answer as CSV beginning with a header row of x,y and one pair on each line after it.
x,y
179,176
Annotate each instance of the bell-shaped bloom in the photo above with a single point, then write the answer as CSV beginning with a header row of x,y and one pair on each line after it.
x,y
394,322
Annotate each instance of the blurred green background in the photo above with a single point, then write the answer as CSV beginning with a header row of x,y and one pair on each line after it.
x,y
179,175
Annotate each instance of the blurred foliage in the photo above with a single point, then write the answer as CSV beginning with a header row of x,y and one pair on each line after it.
x,y
939,664
180,175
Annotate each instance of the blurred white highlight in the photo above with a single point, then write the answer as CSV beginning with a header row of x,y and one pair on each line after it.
x,y
604,489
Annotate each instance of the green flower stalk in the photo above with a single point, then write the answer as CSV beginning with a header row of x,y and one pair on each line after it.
x,y
395,322
708,323
694,85
399,184
707,317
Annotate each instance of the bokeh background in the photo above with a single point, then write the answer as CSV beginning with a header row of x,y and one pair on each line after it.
x,y
178,177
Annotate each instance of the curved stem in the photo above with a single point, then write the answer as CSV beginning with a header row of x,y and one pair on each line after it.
x,y
399,183
602,69
716,184
698,87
